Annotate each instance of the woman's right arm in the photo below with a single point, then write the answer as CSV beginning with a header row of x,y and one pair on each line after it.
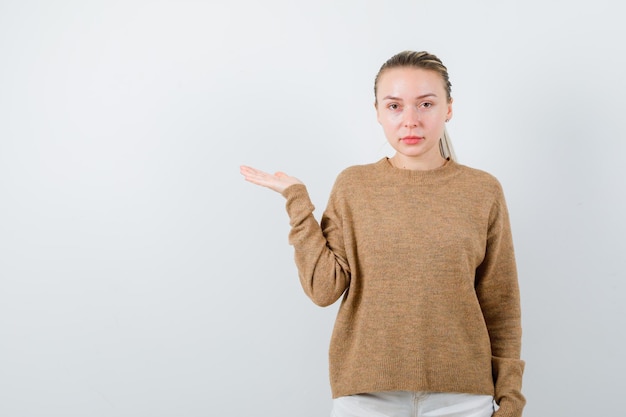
x,y
319,255
319,252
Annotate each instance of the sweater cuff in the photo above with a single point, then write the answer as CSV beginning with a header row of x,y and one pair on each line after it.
x,y
507,376
298,204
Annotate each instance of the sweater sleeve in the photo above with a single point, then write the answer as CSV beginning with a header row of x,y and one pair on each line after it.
x,y
498,292
322,268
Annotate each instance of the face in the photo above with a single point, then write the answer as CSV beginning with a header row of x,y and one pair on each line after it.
x,y
412,107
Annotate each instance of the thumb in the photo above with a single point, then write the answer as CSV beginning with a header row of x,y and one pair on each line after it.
x,y
280,174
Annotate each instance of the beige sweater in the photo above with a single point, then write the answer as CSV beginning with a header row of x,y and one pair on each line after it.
x,y
424,261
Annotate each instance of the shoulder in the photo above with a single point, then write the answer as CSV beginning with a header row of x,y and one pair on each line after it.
x,y
479,186
358,174
478,178
356,180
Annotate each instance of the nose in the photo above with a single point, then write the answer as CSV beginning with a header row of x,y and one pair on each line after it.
x,y
411,117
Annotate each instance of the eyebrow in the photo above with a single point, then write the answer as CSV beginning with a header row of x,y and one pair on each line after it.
x,y
418,97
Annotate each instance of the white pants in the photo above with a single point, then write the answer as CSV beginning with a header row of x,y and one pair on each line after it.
x,y
413,404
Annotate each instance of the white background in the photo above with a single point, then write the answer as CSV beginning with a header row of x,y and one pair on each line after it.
x,y
141,276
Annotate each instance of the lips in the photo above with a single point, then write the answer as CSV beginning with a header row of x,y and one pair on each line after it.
x,y
412,140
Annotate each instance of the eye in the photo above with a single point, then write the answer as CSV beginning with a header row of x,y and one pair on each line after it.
x,y
393,106
427,105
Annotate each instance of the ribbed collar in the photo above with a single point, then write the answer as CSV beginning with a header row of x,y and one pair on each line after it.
x,y
444,172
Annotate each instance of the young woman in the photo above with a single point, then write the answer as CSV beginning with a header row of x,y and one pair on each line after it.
x,y
420,248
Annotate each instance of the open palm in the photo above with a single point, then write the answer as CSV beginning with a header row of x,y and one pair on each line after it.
x,y
277,182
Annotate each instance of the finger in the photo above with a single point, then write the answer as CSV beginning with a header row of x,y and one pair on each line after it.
x,y
258,177
246,170
251,173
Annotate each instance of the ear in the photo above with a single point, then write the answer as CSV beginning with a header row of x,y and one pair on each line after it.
x,y
449,112
377,112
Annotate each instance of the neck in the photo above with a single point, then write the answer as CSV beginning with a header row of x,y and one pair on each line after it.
x,y
417,164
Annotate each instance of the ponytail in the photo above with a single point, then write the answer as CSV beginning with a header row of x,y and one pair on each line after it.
x,y
445,146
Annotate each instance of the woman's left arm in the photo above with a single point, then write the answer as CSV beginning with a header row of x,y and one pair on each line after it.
x,y
497,289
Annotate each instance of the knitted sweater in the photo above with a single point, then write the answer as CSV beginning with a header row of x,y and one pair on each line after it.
x,y
424,261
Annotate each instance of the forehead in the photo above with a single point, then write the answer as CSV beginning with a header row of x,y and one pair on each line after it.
x,y
410,81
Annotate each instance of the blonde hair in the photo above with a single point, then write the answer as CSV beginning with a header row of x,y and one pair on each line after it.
x,y
427,61
445,146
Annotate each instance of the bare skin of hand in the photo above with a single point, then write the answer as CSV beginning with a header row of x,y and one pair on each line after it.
x,y
277,182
